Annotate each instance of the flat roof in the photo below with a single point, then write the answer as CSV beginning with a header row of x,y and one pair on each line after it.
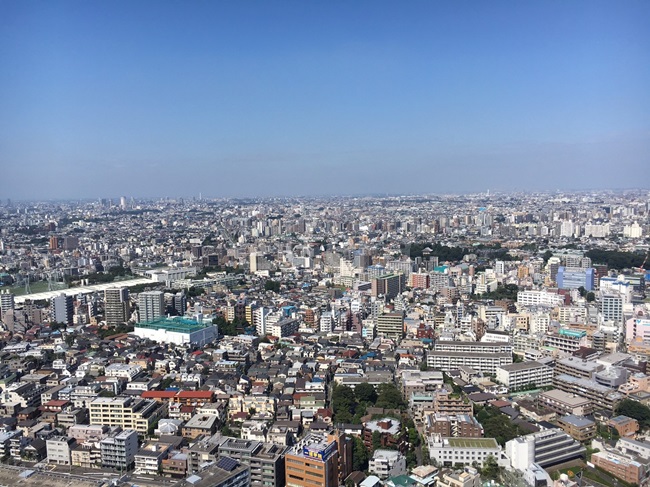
x,y
177,324
473,442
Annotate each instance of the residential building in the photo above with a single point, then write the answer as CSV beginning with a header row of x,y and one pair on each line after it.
x,y
565,403
620,466
63,308
126,412
578,427
116,306
151,306
225,472
523,375
387,463
59,450
266,461
119,448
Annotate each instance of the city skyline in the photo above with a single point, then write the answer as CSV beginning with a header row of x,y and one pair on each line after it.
x,y
288,99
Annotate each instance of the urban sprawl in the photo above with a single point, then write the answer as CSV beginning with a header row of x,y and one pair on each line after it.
x,y
398,341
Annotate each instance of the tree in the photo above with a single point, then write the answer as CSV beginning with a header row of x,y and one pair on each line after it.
x,y
635,410
359,454
344,404
491,469
376,440
591,297
389,397
365,393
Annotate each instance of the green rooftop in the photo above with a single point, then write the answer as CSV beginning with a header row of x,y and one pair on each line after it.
x,y
176,323
473,442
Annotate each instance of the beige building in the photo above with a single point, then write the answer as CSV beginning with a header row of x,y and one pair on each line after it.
x,y
127,412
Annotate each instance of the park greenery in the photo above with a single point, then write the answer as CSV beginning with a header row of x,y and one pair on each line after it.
x,y
349,405
635,410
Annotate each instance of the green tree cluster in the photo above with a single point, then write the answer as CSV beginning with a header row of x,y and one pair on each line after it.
x,y
497,425
389,397
636,410
616,259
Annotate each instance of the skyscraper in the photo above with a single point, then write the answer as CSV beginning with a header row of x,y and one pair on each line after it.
x,y
63,309
6,302
116,306
151,305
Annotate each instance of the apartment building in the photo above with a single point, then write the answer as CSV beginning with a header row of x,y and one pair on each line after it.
x,y
59,450
226,472
467,478
621,466
266,461
482,362
524,374
578,427
602,397
126,412
453,425
577,367
565,403
387,463
119,448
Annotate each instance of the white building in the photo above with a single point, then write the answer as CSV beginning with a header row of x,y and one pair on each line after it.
x,y
177,330
59,450
151,305
545,448
125,371
118,450
464,451
525,374
387,463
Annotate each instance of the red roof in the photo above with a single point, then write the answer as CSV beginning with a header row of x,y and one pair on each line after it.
x,y
158,394
196,394
55,403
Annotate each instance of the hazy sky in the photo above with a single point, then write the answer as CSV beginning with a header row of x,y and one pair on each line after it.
x,y
244,98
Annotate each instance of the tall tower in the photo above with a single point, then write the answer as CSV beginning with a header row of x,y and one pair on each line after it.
x,y
116,306
6,302
151,305
63,309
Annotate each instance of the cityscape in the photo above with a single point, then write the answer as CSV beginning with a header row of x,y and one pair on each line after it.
x,y
438,340
324,244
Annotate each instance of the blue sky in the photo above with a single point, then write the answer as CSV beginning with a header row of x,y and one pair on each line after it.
x,y
244,98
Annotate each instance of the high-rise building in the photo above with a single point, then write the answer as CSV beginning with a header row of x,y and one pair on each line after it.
x,y
179,303
151,305
391,325
116,306
63,309
575,277
389,285
313,461
6,302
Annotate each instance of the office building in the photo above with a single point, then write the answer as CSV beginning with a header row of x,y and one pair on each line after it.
x,y
391,325
575,277
545,448
388,286
63,309
116,306
177,330
314,461
450,452
151,306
